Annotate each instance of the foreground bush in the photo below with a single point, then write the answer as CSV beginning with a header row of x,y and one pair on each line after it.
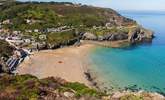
x,y
22,87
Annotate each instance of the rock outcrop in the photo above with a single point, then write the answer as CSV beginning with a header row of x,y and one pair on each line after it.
x,y
136,34
140,34
89,36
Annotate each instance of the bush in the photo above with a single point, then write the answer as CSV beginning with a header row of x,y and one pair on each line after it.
x,y
5,49
81,89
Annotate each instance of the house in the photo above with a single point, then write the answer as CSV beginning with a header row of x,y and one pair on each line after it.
x,y
36,30
27,41
28,21
28,31
67,4
52,30
42,37
32,21
15,40
108,24
16,32
6,21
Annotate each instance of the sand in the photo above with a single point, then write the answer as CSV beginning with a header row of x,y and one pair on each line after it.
x,y
69,63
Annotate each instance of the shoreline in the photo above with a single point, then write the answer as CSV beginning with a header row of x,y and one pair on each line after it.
x,y
73,60
69,63
69,56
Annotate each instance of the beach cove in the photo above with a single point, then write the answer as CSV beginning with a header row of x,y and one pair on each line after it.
x,y
138,67
69,63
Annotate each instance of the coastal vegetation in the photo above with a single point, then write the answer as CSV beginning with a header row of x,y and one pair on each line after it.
x,y
5,49
21,87
66,23
49,15
61,38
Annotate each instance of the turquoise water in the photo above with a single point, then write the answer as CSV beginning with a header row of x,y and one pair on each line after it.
x,y
141,66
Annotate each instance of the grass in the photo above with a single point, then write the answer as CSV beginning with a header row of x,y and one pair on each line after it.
x,y
60,37
54,15
29,87
104,31
5,49
81,89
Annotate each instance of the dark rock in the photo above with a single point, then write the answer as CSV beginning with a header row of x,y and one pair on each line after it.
x,y
107,36
88,76
116,36
140,34
121,36
112,37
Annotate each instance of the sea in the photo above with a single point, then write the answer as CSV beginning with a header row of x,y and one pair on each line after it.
x,y
138,67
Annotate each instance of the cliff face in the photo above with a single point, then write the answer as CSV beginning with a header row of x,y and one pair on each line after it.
x,y
140,34
132,35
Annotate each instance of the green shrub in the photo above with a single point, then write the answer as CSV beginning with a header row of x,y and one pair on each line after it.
x,y
81,89
5,49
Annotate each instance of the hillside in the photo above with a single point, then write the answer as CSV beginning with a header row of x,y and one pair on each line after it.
x,y
5,52
79,21
49,15
5,49
27,87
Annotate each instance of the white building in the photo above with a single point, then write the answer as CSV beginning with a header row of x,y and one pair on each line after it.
x,y
36,30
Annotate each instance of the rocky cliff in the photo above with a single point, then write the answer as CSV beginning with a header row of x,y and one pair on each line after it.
x,y
133,35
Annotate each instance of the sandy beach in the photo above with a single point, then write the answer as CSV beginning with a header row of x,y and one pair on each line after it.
x,y
69,63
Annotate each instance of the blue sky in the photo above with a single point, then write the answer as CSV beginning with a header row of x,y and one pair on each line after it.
x,y
121,4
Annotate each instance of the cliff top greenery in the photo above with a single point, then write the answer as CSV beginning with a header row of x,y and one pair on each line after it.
x,y
54,14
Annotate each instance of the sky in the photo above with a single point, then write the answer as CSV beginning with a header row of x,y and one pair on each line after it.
x,y
147,5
